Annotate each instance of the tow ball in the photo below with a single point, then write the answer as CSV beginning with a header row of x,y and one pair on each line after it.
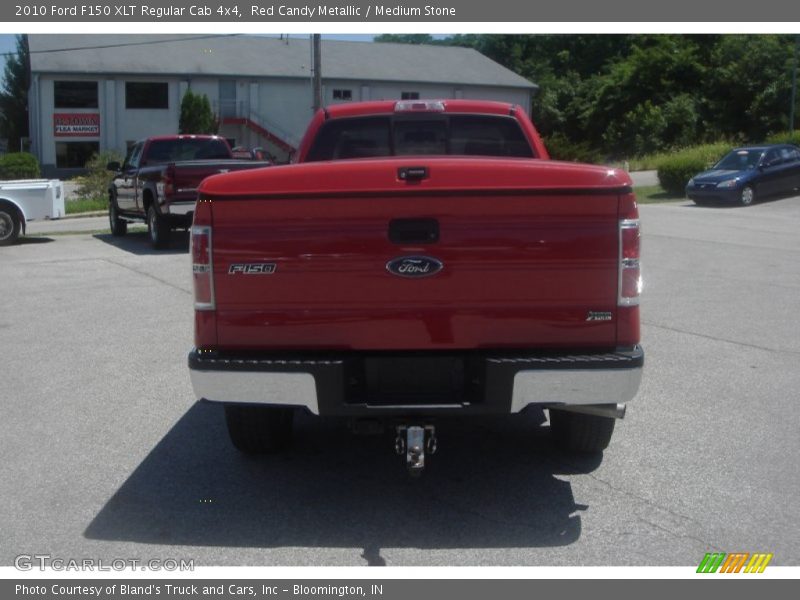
x,y
414,441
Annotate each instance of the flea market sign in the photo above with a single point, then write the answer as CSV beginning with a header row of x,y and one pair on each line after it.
x,y
76,124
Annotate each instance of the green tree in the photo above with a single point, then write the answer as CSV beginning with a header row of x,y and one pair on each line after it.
x,y
621,95
14,95
196,115
749,89
405,38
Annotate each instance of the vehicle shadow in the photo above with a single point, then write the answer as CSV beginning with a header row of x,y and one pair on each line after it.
x,y
490,485
35,239
138,242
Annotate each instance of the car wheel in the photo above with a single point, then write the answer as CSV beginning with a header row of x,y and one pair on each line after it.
x,y
259,429
10,225
158,228
118,226
747,196
702,202
580,433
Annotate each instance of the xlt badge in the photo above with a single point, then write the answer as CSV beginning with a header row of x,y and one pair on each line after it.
x,y
599,316
414,266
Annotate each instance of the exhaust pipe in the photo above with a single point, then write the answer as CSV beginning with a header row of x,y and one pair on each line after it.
x,y
615,411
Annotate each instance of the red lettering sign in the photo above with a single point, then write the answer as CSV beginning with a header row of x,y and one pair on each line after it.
x,y
76,125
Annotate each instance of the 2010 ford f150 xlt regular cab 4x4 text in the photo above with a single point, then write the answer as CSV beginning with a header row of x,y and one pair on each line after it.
x,y
423,259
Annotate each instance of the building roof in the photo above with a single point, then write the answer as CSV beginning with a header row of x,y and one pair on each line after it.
x,y
257,56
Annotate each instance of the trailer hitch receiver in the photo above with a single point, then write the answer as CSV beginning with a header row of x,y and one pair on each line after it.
x,y
415,441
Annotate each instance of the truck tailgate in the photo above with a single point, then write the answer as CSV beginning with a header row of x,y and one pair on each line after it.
x,y
528,249
186,176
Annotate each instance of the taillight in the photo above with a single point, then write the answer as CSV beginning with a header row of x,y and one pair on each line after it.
x,y
630,275
202,268
169,180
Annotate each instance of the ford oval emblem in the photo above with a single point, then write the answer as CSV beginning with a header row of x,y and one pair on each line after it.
x,y
414,266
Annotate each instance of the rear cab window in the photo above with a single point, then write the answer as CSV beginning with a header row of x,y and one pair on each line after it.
x,y
174,150
404,135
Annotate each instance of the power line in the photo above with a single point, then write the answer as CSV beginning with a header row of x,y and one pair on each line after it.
x,y
126,44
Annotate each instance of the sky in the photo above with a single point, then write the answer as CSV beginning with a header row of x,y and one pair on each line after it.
x,y
7,43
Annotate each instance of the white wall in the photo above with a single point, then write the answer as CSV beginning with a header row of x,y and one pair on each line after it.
x,y
393,91
118,124
134,124
286,103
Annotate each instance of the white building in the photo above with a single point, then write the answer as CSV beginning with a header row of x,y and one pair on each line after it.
x,y
101,92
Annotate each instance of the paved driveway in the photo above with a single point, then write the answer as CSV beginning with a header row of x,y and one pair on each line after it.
x,y
107,454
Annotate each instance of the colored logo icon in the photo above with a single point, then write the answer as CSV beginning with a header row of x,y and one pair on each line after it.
x,y
739,562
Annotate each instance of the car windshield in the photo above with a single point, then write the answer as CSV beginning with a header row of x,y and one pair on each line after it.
x,y
739,160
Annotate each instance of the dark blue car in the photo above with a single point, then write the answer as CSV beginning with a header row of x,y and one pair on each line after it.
x,y
745,174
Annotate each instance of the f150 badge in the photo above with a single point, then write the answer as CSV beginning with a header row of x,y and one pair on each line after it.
x,y
414,266
252,268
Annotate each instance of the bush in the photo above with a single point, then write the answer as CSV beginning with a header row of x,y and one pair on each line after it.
x,y
785,137
94,184
674,173
19,165
562,148
675,170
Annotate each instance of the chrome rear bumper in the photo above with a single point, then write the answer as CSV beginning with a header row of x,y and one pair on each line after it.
x,y
328,385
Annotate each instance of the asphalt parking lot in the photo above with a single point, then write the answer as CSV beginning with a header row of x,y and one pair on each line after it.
x,y
106,453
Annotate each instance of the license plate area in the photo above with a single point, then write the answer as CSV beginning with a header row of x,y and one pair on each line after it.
x,y
408,380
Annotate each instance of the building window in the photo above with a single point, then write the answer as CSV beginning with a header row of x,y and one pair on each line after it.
x,y
146,94
342,94
75,94
74,155
409,95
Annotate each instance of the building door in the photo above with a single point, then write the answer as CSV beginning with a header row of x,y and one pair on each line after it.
x,y
227,99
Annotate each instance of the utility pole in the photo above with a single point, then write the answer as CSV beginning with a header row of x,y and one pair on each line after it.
x,y
794,84
317,52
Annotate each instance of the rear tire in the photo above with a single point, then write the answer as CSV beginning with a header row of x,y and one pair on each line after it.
x,y
259,429
158,227
10,225
117,225
580,433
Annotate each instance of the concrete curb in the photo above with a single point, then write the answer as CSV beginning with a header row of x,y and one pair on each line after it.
x,y
94,213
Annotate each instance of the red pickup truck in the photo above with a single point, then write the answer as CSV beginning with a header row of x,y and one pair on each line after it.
x,y
422,259
157,182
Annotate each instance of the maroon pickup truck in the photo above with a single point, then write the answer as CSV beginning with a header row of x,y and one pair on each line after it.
x,y
424,259
158,181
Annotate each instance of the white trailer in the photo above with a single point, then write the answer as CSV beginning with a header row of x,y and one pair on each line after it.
x,y
26,200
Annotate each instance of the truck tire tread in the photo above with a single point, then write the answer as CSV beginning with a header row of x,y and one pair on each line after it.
x,y
118,226
158,227
581,433
10,213
259,429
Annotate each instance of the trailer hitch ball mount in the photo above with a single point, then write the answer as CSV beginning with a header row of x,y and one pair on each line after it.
x,y
415,441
